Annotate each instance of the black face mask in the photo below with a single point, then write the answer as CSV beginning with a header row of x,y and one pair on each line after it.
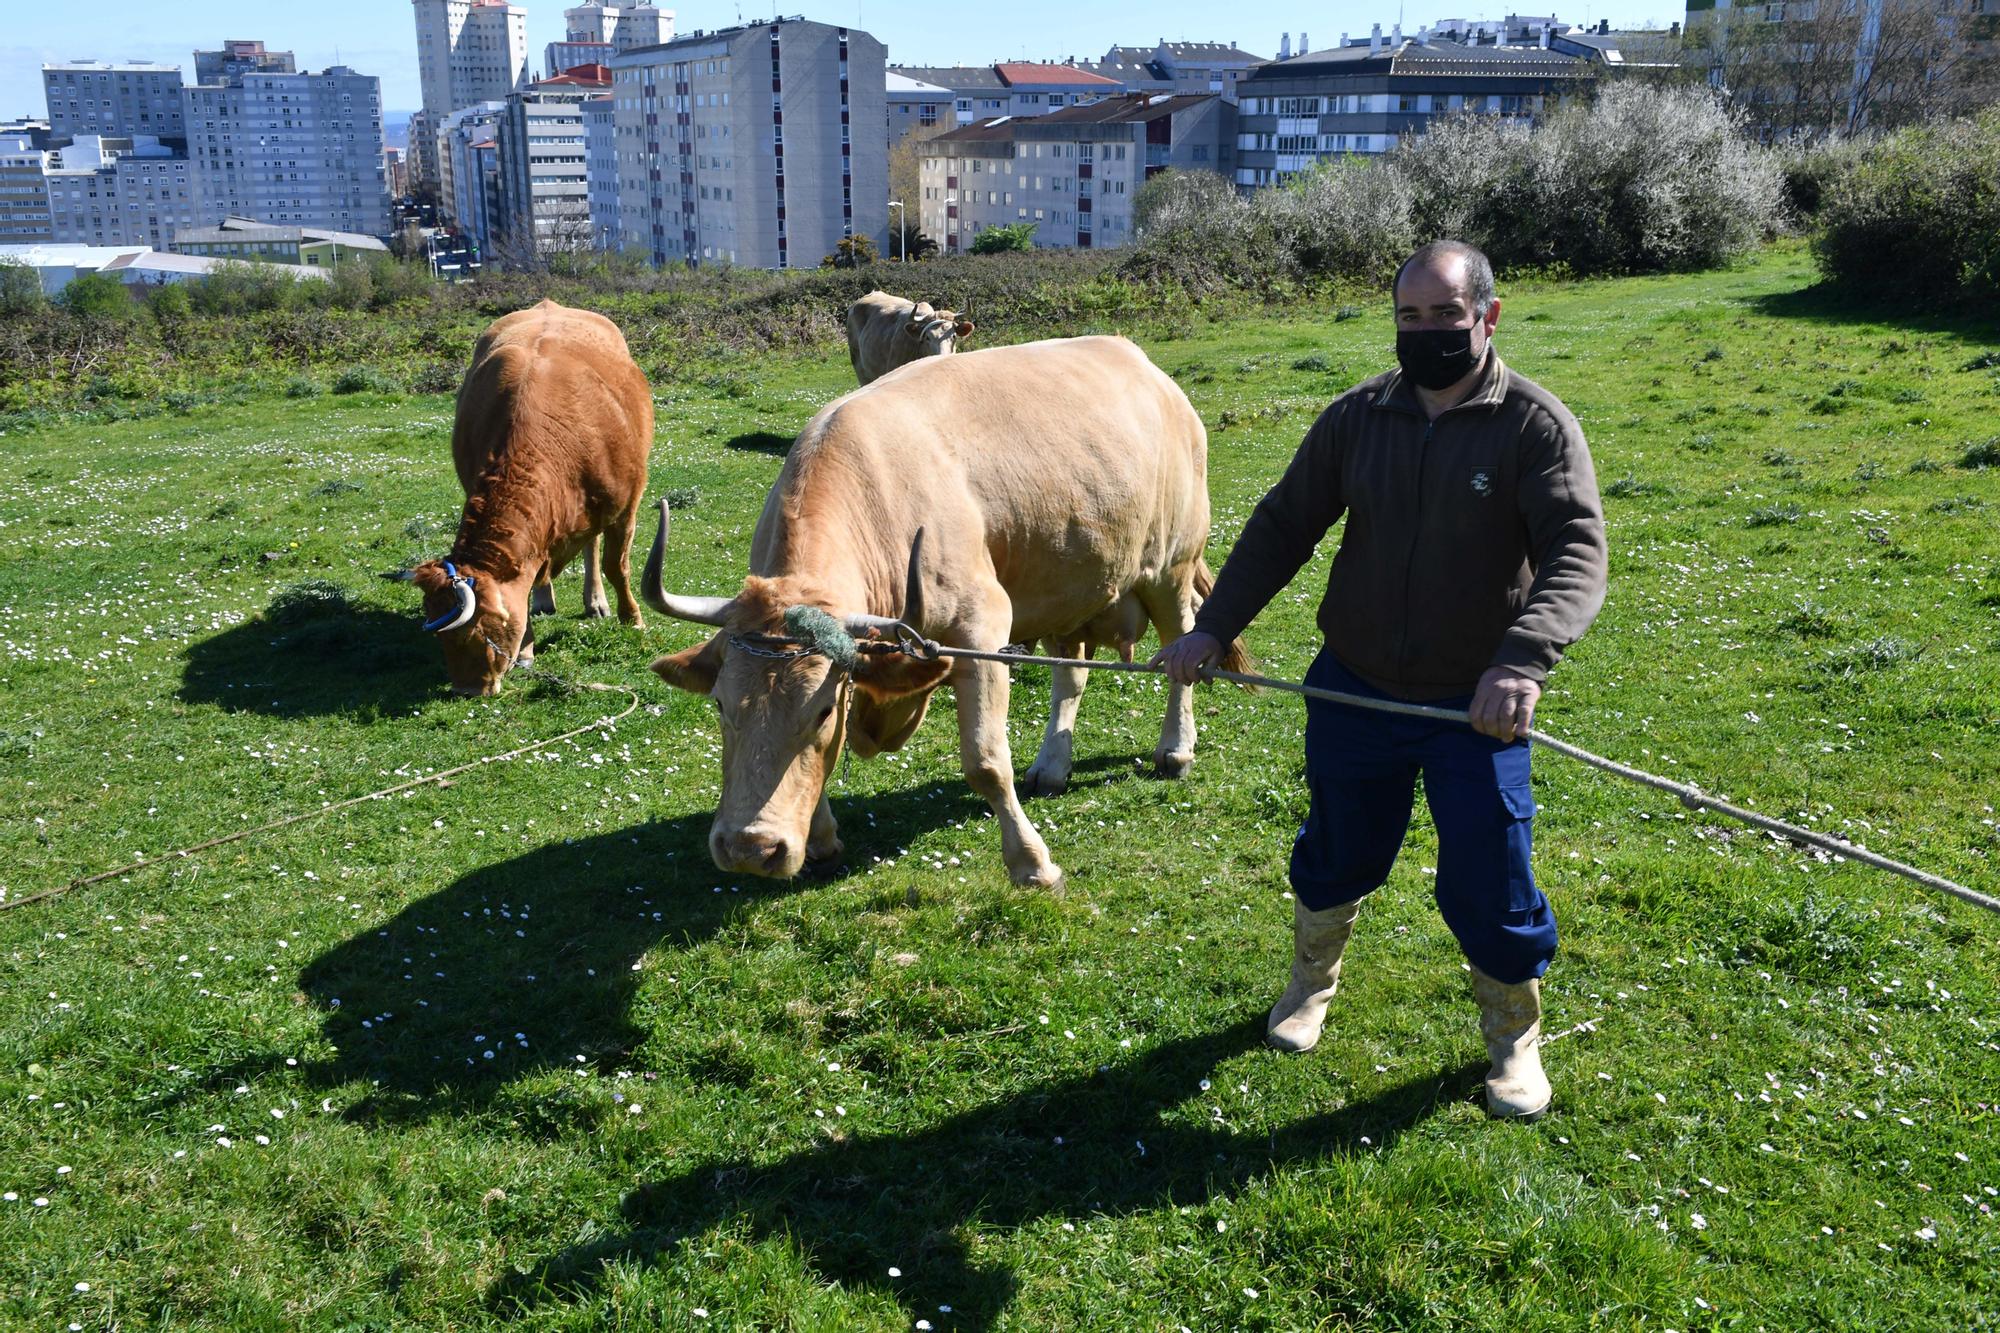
x,y
1435,358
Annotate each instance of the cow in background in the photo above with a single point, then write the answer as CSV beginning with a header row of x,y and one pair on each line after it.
x,y
554,425
884,332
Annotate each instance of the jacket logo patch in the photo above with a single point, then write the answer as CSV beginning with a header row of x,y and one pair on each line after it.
x,y
1482,482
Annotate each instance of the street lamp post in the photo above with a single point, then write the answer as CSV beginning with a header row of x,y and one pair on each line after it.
x,y
902,228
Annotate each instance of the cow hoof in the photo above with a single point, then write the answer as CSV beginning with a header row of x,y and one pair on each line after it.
x,y
1172,766
542,602
597,612
1048,875
1039,781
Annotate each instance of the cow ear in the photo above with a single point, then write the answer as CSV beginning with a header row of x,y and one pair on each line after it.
x,y
692,669
429,576
964,328
889,676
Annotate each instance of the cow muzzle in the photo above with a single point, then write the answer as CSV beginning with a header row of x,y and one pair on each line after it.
x,y
756,851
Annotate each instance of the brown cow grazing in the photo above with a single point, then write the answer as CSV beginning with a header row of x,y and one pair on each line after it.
x,y
1053,490
884,332
555,421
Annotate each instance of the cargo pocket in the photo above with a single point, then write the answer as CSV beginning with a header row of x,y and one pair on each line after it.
x,y
1517,801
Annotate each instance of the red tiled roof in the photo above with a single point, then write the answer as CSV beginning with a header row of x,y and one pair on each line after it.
x,y
1019,72
583,76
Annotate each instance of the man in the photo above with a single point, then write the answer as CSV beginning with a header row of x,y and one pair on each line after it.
x,y
1472,557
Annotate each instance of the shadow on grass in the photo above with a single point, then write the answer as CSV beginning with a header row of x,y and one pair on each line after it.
x,y
363,661
762,442
1824,304
1121,1141
544,944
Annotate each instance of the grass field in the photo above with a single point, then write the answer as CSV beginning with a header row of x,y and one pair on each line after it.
x,y
513,1052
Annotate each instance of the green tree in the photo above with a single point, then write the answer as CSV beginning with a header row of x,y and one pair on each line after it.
x,y
169,302
920,245
20,290
999,240
850,252
97,296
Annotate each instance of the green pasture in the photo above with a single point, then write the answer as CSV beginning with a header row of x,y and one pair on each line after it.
x,y
513,1052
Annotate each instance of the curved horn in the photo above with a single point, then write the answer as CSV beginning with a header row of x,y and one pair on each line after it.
x,y
457,618
913,598
701,610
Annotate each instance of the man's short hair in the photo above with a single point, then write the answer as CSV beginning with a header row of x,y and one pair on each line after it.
x,y
1478,271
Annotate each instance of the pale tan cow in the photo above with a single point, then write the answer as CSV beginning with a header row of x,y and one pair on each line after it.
x,y
884,332
554,425
1053,490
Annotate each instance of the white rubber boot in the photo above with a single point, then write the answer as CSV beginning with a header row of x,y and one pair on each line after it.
x,y
1510,1018
1318,938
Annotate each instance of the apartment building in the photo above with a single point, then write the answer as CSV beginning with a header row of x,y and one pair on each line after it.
x,y
113,99
1074,173
1014,88
916,106
466,149
119,191
1179,67
301,149
624,27
24,190
468,51
600,151
1364,98
544,177
759,145
568,55
238,58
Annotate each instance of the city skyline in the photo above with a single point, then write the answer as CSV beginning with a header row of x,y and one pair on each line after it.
x,y
378,37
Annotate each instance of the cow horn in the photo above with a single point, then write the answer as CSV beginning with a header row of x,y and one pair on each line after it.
x,y
701,610
913,598
468,606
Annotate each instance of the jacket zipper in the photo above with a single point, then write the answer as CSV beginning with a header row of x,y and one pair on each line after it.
x,y
1410,562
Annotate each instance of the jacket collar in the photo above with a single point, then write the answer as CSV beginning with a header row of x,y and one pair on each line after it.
x,y
1399,395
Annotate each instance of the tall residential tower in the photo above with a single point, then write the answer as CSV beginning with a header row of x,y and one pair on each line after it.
x,y
468,51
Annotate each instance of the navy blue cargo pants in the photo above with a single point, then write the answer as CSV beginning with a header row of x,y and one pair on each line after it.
x,y
1362,768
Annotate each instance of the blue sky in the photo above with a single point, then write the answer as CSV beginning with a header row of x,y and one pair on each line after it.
x,y
378,36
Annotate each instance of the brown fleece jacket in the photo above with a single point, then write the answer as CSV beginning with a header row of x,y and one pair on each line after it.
x,y
1474,540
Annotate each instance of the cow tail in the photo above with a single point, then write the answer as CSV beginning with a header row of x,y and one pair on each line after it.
x,y
1235,657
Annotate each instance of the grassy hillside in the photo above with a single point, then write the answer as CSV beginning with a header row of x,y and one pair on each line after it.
x,y
514,1052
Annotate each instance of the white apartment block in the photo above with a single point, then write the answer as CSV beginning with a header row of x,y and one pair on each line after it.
x,y
625,27
544,176
299,149
1073,173
600,150
123,191
916,106
468,51
113,99
759,145
24,191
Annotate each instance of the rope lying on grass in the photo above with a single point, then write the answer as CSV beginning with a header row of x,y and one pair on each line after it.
x,y
812,639
632,703
1693,798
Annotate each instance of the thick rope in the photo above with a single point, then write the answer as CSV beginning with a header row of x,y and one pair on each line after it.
x,y
1691,797
383,794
